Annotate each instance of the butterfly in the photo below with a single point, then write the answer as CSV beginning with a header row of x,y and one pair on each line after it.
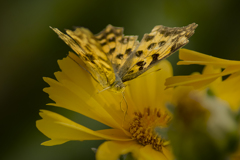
x,y
113,58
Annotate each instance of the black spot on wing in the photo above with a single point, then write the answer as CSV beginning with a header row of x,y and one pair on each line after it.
x,y
141,63
165,32
111,50
124,40
103,44
128,51
119,56
148,38
90,57
175,47
154,58
130,71
140,68
161,43
139,53
151,46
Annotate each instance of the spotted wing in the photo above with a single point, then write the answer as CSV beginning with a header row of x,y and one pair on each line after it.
x,y
116,46
155,46
83,42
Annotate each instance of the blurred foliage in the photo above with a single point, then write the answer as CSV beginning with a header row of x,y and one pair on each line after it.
x,y
29,51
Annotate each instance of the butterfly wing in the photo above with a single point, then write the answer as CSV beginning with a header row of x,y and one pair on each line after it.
x,y
112,57
83,42
116,46
155,46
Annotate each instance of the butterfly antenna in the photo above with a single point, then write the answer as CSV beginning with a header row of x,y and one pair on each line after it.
x,y
104,89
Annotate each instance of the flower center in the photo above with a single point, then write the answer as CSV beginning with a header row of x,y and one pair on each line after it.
x,y
143,127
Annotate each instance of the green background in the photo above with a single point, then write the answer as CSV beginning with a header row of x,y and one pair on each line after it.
x,y
30,50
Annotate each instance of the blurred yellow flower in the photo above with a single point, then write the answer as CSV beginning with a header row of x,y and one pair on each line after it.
x,y
202,116
132,131
211,78
203,126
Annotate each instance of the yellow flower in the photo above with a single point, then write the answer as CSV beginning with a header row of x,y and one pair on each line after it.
x,y
228,90
132,131
198,81
204,121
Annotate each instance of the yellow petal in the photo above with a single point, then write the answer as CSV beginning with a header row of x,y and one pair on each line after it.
x,y
138,92
211,70
115,134
76,99
61,130
198,81
229,90
77,91
148,153
161,96
77,74
146,89
193,57
54,142
167,151
111,150
154,84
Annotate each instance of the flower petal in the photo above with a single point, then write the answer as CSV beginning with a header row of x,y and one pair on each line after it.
x,y
61,130
111,150
77,74
193,57
79,92
229,90
157,95
167,151
198,81
146,89
148,153
76,99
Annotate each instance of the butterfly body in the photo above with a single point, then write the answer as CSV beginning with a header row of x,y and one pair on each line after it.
x,y
113,58
117,85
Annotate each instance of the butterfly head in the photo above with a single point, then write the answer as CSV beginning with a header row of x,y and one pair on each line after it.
x,y
118,86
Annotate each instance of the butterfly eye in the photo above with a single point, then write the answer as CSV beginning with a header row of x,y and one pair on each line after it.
x,y
118,87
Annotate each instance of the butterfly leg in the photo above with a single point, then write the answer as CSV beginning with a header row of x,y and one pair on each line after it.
x,y
124,111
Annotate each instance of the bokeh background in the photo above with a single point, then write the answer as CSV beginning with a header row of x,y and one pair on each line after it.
x,y
30,50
